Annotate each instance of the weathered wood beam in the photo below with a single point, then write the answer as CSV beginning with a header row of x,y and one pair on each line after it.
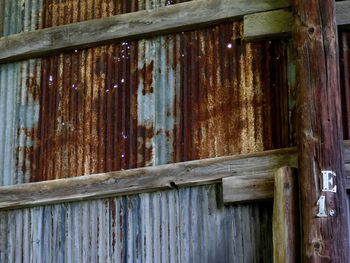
x,y
343,13
250,178
241,189
278,23
208,171
268,24
324,210
285,219
129,26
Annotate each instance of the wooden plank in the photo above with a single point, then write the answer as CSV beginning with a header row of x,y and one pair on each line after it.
x,y
343,13
268,24
278,23
285,219
146,179
240,189
129,26
324,213
253,174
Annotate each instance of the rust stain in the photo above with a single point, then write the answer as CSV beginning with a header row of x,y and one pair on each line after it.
x,y
84,96
147,72
144,145
230,97
235,94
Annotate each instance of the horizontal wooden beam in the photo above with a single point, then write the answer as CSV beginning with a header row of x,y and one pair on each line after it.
x,y
245,178
256,165
129,26
275,23
268,24
238,189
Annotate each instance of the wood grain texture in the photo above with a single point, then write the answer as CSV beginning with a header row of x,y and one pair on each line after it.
x,y
257,165
129,26
343,13
268,24
239,189
319,131
279,23
285,221
250,176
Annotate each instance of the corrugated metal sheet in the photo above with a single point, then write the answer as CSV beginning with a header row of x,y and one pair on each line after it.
x,y
19,103
189,225
185,96
167,99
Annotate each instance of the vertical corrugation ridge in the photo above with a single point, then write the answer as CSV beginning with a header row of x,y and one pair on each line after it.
x,y
186,225
89,113
232,87
185,96
18,95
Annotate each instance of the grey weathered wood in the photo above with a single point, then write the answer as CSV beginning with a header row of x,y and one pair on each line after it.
x,y
239,189
268,24
319,132
279,22
285,220
254,172
256,165
343,13
129,26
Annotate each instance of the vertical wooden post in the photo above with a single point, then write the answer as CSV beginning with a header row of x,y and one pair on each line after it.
x,y
324,209
285,223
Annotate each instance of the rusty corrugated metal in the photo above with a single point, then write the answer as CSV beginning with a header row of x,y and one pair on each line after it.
x,y
188,225
185,96
19,103
235,94
166,99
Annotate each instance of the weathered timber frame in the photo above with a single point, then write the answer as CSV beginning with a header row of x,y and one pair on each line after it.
x,y
262,19
175,18
250,167
245,178
323,199
279,23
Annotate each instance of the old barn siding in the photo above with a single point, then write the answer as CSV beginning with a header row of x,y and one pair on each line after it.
x,y
188,225
166,99
172,98
19,104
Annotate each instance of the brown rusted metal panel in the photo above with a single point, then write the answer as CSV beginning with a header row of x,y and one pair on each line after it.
x,y
192,95
235,94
